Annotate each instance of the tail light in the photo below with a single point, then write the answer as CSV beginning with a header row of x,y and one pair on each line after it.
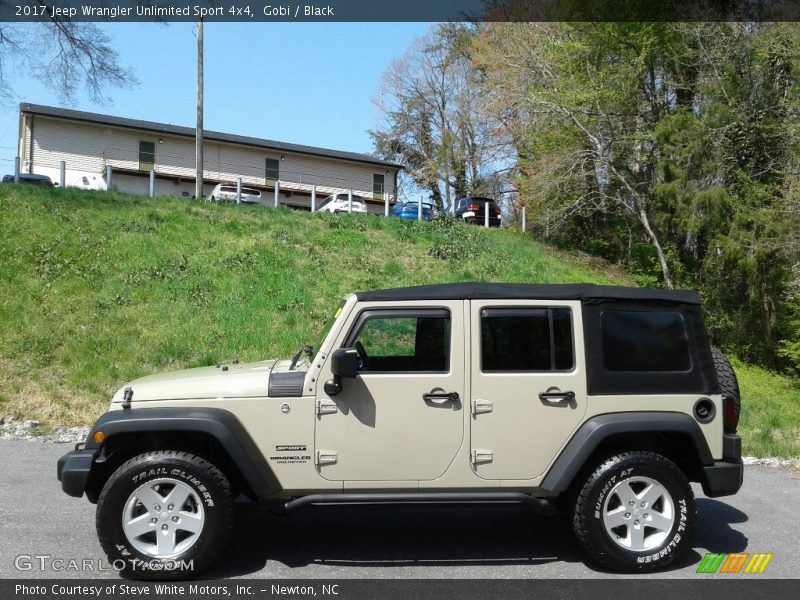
x,y
730,415
497,210
473,207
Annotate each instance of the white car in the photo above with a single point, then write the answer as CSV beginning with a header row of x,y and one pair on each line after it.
x,y
227,191
339,203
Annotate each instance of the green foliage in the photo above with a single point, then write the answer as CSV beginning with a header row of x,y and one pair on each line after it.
x,y
770,419
670,148
452,240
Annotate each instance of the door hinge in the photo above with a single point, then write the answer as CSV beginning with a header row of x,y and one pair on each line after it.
x,y
481,455
326,407
482,406
326,457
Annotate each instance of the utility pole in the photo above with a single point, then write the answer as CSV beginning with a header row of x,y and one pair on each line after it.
x,y
198,186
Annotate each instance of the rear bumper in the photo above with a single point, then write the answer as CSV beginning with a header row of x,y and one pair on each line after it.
x,y
73,471
725,476
480,220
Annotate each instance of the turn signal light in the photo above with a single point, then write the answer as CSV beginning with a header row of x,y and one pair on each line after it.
x,y
99,437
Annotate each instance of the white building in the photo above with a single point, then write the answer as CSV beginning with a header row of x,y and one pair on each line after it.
x,y
88,143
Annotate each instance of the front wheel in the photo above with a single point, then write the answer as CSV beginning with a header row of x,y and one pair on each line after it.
x,y
635,512
164,515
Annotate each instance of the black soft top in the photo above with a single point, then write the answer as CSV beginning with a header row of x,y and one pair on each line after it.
x,y
495,291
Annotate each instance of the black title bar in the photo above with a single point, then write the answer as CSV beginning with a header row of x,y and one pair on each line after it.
x,y
246,11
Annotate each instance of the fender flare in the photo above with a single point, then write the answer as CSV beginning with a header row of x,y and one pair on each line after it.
x,y
597,429
220,424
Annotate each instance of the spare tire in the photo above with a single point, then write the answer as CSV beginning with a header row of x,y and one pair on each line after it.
x,y
729,387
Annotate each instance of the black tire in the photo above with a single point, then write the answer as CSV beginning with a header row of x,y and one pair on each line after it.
x,y
212,489
597,491
728,384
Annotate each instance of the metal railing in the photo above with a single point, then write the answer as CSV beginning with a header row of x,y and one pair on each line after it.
x,y
340,186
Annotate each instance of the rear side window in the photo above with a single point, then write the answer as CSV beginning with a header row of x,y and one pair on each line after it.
x,y
526,339
644,341
403,341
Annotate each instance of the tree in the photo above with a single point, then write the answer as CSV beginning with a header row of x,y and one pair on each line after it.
x,y
670,147
65,56
429,101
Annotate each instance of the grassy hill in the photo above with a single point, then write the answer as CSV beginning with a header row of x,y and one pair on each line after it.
x,y
102,288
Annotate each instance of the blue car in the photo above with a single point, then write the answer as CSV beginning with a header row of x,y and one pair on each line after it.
x,y
410,211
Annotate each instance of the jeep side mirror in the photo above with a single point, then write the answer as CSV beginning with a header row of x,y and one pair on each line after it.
x,y
344,363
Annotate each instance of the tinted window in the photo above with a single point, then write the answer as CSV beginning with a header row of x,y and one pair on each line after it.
x,y
405,343
526,339
644,341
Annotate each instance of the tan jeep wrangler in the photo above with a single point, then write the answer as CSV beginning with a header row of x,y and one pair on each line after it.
x,y
602,401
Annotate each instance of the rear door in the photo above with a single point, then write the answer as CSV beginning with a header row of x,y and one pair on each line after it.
x,y
528,385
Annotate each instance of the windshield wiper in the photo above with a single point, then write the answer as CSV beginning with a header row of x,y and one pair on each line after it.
x,y
307,349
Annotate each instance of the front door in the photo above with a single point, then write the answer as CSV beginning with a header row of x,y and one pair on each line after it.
x,y
401,418
528,385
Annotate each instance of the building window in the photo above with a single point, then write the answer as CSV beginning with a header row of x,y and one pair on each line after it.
x,y
272,173
147,156
526,339
378,186
644,341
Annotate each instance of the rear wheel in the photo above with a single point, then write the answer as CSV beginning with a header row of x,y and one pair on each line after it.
x,y
164,515
635,512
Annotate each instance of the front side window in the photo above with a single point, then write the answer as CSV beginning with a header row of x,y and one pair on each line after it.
x,y
526,339
644,341
397,342
147,156
272,172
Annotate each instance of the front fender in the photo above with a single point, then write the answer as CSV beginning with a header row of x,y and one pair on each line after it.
x,y
218,423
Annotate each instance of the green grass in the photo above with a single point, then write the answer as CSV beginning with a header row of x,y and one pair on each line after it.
x,y
100,288
770,418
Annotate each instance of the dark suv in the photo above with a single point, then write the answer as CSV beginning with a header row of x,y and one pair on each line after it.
x,y
30,179
473,210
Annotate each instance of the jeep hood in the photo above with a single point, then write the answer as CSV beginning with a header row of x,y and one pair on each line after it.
x,y
247,380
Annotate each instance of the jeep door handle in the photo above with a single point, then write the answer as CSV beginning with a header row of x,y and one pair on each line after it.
x,y
556,397
440,398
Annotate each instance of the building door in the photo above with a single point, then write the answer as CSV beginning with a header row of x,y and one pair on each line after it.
x,y
401,419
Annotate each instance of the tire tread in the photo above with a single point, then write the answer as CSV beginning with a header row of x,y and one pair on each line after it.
x,y
580,516
219,479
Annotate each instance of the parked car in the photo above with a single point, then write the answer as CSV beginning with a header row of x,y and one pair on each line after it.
x,y
227,192
31,179
410,211
473,210
339,203
605,402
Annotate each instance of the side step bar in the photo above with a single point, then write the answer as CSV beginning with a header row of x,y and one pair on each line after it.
x,y
539,505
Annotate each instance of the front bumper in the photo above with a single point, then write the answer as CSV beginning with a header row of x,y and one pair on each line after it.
x,y
725,476
73,471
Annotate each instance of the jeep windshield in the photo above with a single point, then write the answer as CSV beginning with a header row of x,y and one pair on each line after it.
x,y
310,350
327,327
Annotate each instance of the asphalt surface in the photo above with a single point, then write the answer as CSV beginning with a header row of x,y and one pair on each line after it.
x,y
38,520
